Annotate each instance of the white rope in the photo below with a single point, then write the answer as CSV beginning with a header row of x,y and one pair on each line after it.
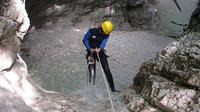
x,y
104,77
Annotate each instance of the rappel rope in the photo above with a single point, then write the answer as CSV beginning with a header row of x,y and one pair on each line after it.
x,y
104,77
87,75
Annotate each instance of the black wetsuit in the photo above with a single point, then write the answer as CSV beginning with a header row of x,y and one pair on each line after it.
x,y
94,38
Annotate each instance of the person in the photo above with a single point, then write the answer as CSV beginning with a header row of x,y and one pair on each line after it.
x,y
95,40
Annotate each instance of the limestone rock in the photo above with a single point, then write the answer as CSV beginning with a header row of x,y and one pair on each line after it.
x,y
14,24
9,43
18,92
171,81
178,62
164,94
21,94
168,81
15,11
138,104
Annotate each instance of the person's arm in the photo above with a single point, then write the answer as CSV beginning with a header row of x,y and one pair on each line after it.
x,y
86,40
103,43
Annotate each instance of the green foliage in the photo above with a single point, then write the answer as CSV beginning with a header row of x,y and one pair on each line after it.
x,y
196,34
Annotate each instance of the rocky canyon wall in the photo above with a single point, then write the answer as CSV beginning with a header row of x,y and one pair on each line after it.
x,y
18,92
171,81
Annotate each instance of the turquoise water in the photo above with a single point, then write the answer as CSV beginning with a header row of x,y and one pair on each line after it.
x,y
168,12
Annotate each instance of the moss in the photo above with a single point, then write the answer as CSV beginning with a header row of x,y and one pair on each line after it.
x,y
197,34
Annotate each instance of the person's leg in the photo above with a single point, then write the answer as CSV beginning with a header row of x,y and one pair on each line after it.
x,y
105,66
94,77
92,69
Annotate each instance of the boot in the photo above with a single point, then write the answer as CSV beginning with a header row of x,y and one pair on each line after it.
x,y
114,90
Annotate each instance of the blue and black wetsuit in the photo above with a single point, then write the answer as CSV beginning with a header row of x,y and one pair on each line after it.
x,y
94,38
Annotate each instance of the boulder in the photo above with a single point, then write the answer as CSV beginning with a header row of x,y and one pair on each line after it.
x,y
137,103
165,95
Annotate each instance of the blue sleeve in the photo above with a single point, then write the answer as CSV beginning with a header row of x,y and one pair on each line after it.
x,y
103,43
86,40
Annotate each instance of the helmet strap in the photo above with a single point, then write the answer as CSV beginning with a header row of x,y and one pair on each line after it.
x,y
101,31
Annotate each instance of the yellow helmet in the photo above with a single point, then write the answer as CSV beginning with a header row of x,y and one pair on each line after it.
x,y
107,27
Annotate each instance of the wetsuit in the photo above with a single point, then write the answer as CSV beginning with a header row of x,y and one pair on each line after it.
x,y
94,38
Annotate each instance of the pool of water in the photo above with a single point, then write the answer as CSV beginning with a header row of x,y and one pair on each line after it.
x,y
57,57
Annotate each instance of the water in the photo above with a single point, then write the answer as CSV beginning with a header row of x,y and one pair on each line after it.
x,y
57,63
92,99
57,57
168,12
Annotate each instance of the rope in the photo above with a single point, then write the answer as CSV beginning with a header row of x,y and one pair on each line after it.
x,y
104,77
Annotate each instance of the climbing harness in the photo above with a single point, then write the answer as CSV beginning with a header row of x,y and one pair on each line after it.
x,y
104,77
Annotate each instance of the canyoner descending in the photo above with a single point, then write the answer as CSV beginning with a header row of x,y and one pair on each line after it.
x,y
95,40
